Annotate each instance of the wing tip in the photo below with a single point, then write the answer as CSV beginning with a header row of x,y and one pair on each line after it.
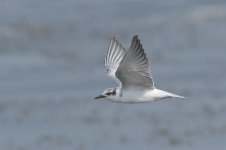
x,y
135,37
135,41
113,38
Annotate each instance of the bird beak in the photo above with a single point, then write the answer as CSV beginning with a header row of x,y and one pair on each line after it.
x,y
100,96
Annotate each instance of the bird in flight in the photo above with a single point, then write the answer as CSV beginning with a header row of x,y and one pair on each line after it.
x,y
130,69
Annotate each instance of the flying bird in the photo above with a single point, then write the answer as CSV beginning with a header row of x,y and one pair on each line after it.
x,y
130,69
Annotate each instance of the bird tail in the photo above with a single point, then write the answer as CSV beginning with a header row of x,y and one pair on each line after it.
x,y
177,96
165,94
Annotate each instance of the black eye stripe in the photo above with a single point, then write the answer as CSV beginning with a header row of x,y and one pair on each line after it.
x,y
111,93
108,93
114,92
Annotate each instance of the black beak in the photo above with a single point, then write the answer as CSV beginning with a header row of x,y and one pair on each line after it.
x,y
100,96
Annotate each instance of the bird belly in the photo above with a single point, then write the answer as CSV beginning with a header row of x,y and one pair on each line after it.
x,y
141,96
132,96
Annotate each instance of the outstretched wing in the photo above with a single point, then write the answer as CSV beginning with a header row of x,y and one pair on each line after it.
x,y
113,59
133,70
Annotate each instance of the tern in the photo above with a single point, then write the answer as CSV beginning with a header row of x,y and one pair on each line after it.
x,y
130,69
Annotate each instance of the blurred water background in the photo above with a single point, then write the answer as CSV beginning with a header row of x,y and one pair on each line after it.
x,y
52,66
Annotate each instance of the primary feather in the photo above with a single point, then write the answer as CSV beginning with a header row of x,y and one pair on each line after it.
x,y
133,70
113,58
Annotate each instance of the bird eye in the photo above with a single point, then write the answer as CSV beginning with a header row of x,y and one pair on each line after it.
x,y
108,93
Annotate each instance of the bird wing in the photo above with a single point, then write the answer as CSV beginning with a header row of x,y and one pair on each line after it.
x,y
133,70
113,58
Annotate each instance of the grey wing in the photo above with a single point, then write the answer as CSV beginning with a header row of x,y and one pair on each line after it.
x,y
113,59
134,69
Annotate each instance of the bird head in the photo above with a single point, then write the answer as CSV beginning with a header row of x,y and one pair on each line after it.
x,y
107,93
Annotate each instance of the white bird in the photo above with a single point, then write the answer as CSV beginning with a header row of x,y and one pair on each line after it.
x,y
129,68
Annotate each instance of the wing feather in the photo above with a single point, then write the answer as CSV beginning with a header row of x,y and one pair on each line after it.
x,y
113,59
134,69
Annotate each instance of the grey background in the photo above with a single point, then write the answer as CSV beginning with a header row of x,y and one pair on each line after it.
x,y
52,66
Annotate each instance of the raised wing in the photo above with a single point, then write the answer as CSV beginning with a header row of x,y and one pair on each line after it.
x,y
113,59
133,70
